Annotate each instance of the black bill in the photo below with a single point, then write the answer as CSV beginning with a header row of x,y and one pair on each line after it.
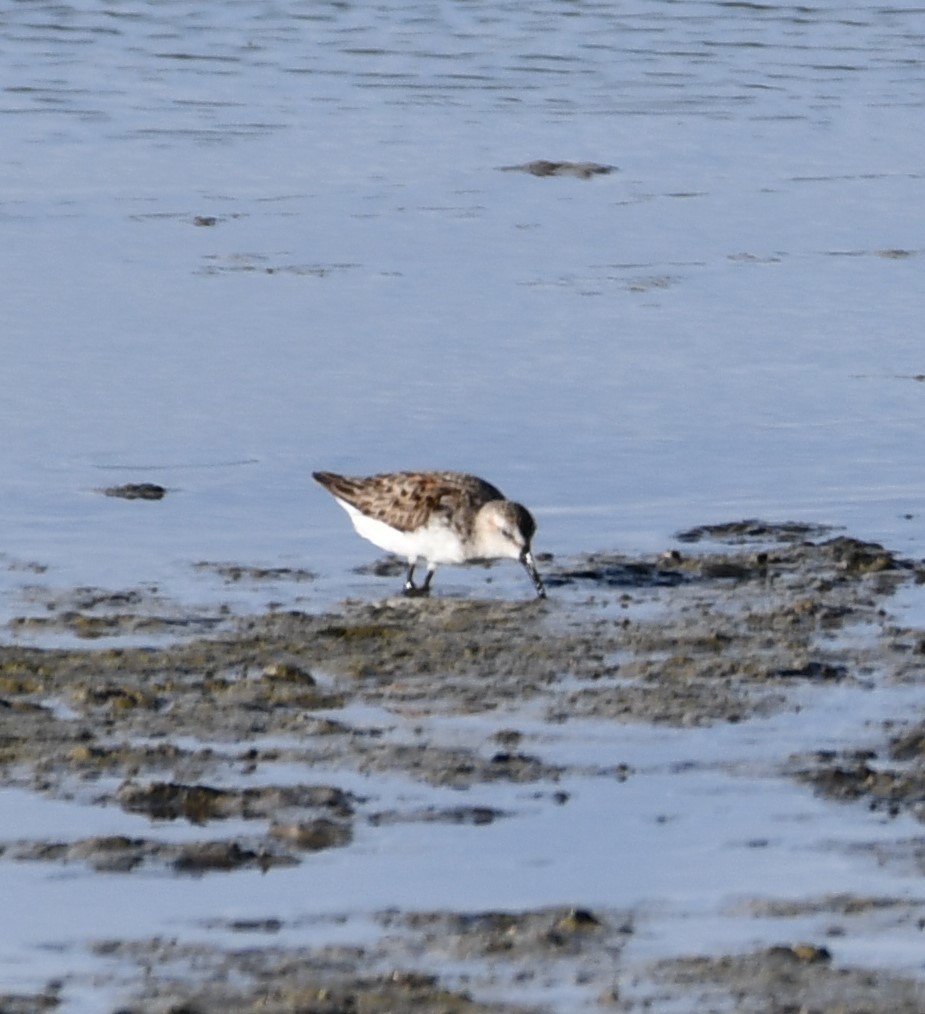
x,y
526,558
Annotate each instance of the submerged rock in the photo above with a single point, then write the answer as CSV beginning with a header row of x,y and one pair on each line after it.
x,y
137,491
542,167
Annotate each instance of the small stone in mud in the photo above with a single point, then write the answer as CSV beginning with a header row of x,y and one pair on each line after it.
x,y
32,1003
202,803
137,491
909,745
857,557
852,775
115,699
201,857
728,569
814,671
168,801
806,953
475,815
287,672
576,921
255,925
313,835
517,766
508,737
110,853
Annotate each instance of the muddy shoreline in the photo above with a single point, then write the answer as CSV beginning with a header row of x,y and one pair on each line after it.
x,y
724,628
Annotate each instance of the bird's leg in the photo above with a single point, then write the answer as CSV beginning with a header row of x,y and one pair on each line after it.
x,y
411,589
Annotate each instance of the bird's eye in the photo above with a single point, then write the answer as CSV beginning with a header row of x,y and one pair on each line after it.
x,y
508,534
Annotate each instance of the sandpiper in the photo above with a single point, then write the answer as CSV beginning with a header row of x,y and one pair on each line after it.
x,y
438,517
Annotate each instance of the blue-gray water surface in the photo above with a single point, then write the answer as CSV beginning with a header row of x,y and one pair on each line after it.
x,y
244,240
729,325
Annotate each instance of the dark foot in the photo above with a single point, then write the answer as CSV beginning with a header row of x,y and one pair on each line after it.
x,y
411,589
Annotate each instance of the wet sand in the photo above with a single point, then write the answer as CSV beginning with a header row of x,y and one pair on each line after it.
x,y
725,628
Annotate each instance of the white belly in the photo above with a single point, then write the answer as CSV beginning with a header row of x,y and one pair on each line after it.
x,y
436,543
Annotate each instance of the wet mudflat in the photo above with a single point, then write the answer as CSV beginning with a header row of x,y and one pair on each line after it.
x,y
273,741
642,264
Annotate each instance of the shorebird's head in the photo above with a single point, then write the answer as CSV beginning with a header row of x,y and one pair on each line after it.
x,y
504,530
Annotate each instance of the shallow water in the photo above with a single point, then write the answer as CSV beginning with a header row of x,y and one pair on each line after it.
x,y
727,326
700,827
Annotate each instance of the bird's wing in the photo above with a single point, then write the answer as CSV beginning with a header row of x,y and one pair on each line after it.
x,y
408,500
